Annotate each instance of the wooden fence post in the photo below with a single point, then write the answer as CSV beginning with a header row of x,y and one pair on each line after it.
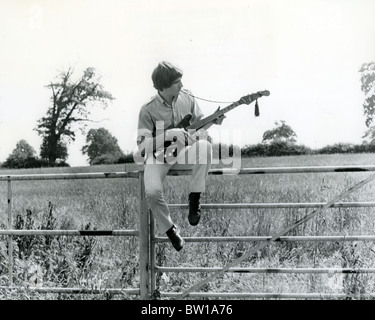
x,y
144,241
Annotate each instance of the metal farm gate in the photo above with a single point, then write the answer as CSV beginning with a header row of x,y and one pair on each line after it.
x,y
148,239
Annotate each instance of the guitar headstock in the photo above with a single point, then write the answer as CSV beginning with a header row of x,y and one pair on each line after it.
x,y
252,97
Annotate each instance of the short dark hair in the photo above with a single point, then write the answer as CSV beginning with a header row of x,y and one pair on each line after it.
x,y
164,75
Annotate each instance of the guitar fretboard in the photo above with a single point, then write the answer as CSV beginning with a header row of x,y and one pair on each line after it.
x,y
203,122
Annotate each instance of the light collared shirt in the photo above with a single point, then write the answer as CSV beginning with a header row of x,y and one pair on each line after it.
x,y
158,110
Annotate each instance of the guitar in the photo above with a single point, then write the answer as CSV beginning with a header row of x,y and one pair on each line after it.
x,y
169,151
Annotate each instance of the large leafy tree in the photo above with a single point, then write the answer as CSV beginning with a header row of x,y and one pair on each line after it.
x,y
52,151
72,102
367,71
21,155
282,132
101,146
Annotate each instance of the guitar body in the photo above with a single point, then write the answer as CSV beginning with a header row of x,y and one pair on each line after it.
x,y
168,153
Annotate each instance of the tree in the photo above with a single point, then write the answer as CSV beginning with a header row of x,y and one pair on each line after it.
x,y
22,155
368,87
281,133
71,105
101,147
59,152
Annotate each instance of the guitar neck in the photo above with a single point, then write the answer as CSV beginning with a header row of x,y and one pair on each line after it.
x,y
205,121
244,100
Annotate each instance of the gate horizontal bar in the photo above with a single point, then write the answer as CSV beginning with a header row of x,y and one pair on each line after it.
x,y
69,176
73,290
268,270
261,295
187,171
267,238
70,232
274,170
274,205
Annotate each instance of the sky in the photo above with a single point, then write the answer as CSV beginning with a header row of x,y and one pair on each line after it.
x,y
307,53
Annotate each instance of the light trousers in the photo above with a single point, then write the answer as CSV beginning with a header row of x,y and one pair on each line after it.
x,y
197,157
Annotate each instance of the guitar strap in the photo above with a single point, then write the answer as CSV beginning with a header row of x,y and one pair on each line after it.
x,y
256,111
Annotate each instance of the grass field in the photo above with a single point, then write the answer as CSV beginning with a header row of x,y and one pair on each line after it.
x,y
113,204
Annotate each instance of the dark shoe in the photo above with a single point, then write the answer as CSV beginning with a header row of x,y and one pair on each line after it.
x,y
194,208
174,235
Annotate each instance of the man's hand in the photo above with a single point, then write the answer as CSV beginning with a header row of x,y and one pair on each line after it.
x,y
220,119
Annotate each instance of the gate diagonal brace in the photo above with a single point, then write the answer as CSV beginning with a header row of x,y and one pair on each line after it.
x,y
276,237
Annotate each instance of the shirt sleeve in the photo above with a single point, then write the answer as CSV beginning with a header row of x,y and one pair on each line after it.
x,y
145,126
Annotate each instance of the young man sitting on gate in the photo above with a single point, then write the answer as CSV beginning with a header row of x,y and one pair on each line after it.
x,y
157,127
